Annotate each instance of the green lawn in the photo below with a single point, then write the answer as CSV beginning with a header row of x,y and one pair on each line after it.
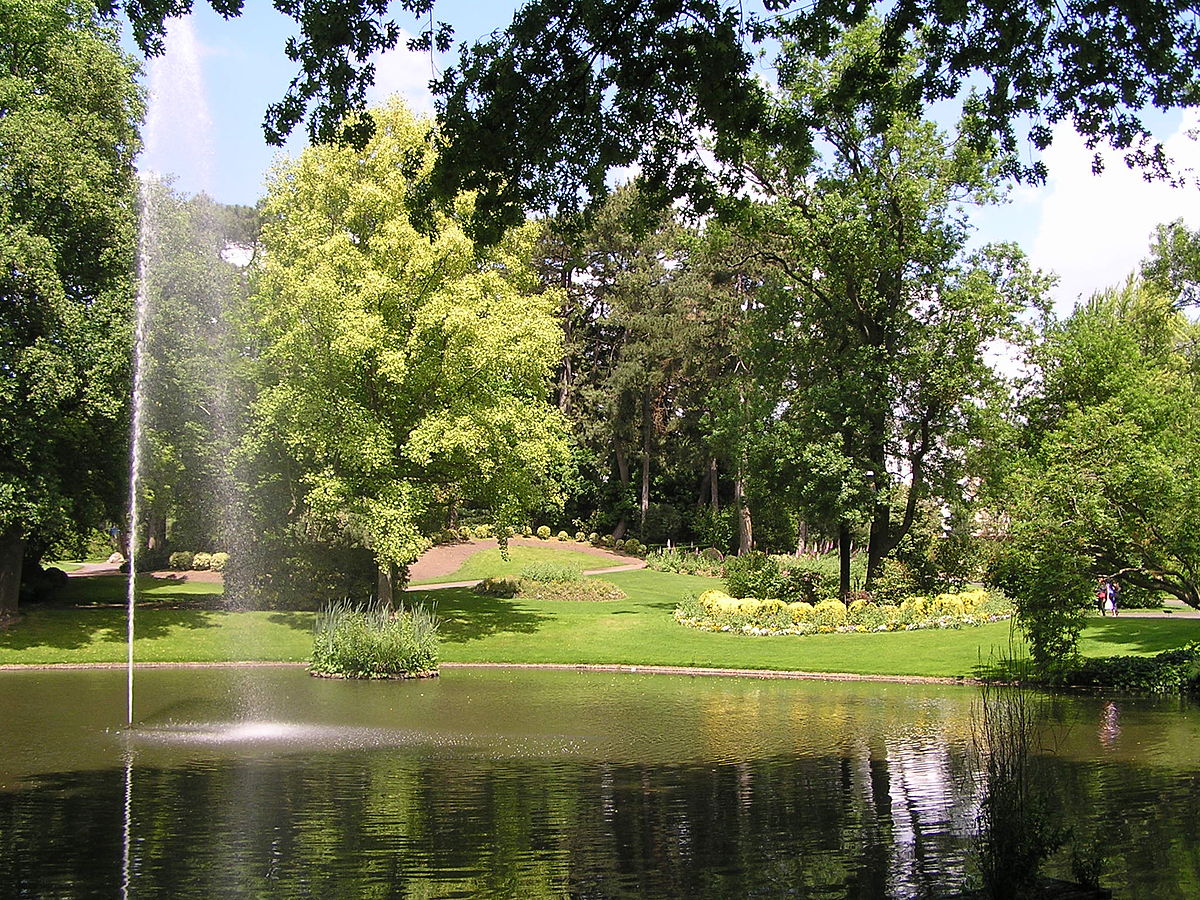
x,y
635,631
490,564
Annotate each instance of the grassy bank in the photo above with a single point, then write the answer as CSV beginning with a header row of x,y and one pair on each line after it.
x,y
176,626
490,563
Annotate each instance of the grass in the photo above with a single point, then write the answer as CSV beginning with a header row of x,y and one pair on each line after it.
x,y
490,564
636,631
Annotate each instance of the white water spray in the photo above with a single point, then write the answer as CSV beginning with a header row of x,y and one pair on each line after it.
x,y
177,125
135,464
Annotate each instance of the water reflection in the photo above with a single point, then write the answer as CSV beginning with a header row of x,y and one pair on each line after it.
x,y
558,787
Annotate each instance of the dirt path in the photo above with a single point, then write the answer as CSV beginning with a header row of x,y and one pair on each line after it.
x,y
447,558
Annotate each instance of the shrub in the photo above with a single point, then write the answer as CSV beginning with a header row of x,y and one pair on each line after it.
x,y
634,546
583,590
551,571
801,583
593,538
579,536
830,614
1173,671
505,588
202,561
894,581
373,642
753,574
619,543
563,536
543,532
180,560
608,541
482,532
713,554
218,562
682,561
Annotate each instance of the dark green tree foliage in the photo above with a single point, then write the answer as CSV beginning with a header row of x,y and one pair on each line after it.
x,y
874,319
1107,482
648,334
538,114
68,114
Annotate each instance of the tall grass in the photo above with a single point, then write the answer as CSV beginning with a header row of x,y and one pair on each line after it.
x,y
373,641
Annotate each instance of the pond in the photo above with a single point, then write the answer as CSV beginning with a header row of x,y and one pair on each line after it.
x,y
531,784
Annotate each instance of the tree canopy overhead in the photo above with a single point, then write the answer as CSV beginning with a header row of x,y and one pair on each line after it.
x,y
604,83
536,116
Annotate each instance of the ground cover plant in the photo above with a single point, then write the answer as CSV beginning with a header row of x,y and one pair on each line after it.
x,y
374,641
715,610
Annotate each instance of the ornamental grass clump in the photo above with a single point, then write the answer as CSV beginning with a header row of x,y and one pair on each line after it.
x,y
717,611
374,641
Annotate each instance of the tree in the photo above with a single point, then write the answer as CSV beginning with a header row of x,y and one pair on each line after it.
x,y
1173,268
874,319
1106,481
572,88
68,135
537,115
395,370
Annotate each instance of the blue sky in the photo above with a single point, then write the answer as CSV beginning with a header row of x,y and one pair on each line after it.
x,y
205,128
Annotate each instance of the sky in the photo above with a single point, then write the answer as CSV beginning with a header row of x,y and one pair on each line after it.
x,y
211,90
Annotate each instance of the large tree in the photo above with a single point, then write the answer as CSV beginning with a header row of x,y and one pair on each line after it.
x,y
69,109
539,113
396,372
874,318
1106,480
572,88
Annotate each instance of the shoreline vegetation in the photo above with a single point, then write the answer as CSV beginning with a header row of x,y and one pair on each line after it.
x,y
185,623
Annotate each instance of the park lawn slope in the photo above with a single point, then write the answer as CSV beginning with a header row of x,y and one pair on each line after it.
x,y
636,631
491,564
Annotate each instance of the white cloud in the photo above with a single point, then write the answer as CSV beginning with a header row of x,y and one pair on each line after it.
x,y
401,71
1095,230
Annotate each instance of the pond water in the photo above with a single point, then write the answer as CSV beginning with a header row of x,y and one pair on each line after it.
x,y
529,784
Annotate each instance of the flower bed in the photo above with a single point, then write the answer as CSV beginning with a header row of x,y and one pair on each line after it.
x,y
717,611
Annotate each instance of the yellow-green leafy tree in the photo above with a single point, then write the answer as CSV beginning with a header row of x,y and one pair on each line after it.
x,y
394,370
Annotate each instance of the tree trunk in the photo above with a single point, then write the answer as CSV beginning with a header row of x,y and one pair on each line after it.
x,y
156,529
745,526
387,585
880,541
644,499
802,538
844,560
623,479
12,554
712,484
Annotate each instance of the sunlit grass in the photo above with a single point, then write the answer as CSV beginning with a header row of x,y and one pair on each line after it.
x,y
636,631
490,564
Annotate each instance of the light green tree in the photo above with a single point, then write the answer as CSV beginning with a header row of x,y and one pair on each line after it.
x,y
1106,480
396,370
69,110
